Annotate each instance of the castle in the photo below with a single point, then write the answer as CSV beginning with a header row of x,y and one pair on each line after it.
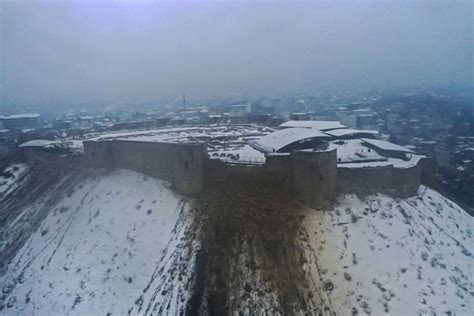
x,y
316,164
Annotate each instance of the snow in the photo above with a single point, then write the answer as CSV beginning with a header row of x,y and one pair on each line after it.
x,y
353,153
121,242
74,144
401,257
244,154
37,143
187,134
18,116
100,249
284,137
318,125
353,150
350,131
394,162
158,134
11,178
224,142
384,145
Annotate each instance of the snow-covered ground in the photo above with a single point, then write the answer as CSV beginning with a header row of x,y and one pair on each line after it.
x,y
400,257
11,178
241,154
121,242
109,246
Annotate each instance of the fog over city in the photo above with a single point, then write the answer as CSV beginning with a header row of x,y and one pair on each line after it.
x,y
69,52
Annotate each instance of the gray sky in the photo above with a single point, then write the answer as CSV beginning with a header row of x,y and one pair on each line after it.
x,y
60,52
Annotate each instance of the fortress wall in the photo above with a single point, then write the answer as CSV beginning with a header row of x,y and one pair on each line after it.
x,y
428,173
51,161
399,182
279,164
181,164
314,176
217,173
98,153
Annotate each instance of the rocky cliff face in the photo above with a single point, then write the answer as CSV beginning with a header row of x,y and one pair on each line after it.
x,y
121,242
252,258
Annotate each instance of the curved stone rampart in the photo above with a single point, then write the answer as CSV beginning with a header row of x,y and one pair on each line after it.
x,y
399,182
314,176
180,164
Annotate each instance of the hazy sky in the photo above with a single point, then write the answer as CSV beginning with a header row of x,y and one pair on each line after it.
x,y
60,52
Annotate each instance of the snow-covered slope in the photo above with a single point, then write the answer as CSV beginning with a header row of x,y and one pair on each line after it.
x,y
107,246
402,257
121,242
11,178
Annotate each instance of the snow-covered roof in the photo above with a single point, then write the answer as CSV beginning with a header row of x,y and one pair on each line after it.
x,y
318,125
384,145
353,153
284,137
353,150
18,116
350,131
37,143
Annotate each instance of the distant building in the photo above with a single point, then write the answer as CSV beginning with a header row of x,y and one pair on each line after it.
x,y
20,121
366,121
237,110
215,118
301,116
62,124
133,125
348,119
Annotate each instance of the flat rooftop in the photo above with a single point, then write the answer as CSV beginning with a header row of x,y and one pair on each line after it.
x,y
350,131
19,116
318,125
384,145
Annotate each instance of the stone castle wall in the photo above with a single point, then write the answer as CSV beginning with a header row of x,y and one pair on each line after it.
x,y
51,162
399,182
180,164
310,175
428,173
313,175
